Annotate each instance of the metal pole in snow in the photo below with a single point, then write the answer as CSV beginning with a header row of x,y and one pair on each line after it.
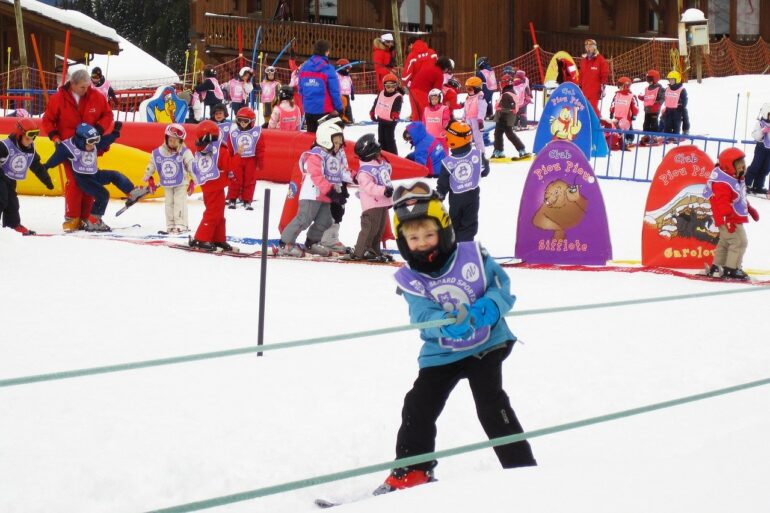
x,y
735,123
263,270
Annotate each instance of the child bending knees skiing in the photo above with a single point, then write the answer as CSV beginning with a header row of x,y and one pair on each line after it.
x,y
321,185
445,279
172,160
375,190
82,149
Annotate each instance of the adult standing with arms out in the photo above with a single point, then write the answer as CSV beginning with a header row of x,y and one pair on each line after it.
x,y
419,54
383,57
594,74
76,102
430,76
319,86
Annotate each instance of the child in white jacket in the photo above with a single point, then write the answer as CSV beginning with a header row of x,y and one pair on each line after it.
x,y
760,165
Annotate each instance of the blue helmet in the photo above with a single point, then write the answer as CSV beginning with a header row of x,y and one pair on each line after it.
x,y
86,134
481,62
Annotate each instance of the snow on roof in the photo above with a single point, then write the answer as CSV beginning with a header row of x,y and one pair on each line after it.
x,y
133,68
74,19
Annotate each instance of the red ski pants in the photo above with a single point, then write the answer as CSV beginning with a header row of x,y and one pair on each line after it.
x,y
242,187
213,224
76,202
419,100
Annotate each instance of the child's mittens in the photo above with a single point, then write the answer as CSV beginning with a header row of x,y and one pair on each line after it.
x,y
766,129
190,188
395,116
462,327
484,312
151,185
753,213
372,116
480,123
389,192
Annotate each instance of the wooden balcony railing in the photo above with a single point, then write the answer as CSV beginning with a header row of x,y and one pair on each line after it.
x,y
572,42
353,43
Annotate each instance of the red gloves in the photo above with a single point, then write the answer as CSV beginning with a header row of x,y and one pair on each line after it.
x,y
481,123
151,185
372,116
395,115
190,188
753,213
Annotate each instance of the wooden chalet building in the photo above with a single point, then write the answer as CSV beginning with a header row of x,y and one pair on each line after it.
x,y
463,28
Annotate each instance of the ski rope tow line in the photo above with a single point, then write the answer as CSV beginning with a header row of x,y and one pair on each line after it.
x,y
67,374
412,460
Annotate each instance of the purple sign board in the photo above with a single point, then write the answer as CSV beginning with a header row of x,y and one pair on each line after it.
x,y
562,219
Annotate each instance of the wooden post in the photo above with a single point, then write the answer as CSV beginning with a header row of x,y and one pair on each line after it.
x,y
8,78
107,70
698,64
422,15
22,44
397,32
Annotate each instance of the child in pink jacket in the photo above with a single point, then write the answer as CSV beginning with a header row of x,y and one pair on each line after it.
x,y
375,190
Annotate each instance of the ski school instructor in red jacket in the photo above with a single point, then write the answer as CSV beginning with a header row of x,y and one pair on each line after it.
x,y
594,74
76,102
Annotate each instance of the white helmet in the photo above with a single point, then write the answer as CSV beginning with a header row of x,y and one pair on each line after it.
x,y
764,111
325,132
245,70
176,130
270,69
436,92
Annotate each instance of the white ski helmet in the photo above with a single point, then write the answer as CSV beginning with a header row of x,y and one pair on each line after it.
x,y
326,131
270,69
436,92
764,111
245,70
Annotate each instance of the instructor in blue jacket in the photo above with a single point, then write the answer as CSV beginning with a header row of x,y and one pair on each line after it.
x,y
319,86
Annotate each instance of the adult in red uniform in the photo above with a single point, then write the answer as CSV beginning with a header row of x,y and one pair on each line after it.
x,y
430,76
384,57
419,55
76,102
594,74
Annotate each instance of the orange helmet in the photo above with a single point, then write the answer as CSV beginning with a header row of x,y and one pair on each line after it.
x,y
205,132
728,158
624,82
28,127
474,82
506,81
458,134
390,77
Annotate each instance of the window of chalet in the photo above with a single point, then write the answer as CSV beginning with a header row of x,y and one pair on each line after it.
x,y
326,9
409,16
648,18
581,13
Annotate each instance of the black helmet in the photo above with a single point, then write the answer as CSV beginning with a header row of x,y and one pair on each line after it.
x,y
367,147
482,61
219,107
420,201
286,92
209,72
453,83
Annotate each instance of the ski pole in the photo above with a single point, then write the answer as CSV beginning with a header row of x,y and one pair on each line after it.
x,y
195,66
186,59
283,50
256,46
746,124
735,123
8,78
350,65
259,94
263,270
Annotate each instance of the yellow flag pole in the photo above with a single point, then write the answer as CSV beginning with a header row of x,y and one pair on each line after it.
x,y
195,65
186,59
86,59
107,70
8,79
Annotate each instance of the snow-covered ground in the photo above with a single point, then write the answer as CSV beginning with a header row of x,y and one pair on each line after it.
x,y
152,438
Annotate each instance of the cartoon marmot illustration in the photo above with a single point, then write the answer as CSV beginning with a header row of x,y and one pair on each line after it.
x,y
563,208
566,125
687,215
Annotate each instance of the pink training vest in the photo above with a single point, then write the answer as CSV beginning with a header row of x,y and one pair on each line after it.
x,y
472,107
384,107
434,120
490,79
268,90
520,95
289,119
346,84
217,90
650,95
104,88
622,104
238,92
672,97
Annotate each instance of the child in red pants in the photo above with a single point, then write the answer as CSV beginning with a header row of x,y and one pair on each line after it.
x,y
244,140
211,169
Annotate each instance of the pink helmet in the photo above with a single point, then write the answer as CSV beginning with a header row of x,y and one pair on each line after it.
x,y
176,130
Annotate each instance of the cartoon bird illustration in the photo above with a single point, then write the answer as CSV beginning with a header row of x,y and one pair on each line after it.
x,y
566,125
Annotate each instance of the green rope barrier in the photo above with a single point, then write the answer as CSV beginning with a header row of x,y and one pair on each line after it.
x,y
412,460
53,376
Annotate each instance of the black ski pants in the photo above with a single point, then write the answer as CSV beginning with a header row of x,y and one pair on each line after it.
x,y
9,202
464,213
425,401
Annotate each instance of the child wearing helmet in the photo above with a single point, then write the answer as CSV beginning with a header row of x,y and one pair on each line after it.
x,y
675,102
240,88
436,116
286,115
172,160
450,89
428,151
505,120
460,283
323,178
209,91
489,84
653,97
17,155
247,150
460,176
268,90
760,164
623,111
82,150
386,111
346,90
210,169
475,111
375,191
726,191
219,116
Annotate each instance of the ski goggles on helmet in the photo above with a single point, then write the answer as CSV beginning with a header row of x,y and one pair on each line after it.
x,y
413,193
243,121
32,133
175,131
93,140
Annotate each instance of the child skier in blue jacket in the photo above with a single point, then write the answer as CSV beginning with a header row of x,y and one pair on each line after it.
x,y
428,151
449,280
